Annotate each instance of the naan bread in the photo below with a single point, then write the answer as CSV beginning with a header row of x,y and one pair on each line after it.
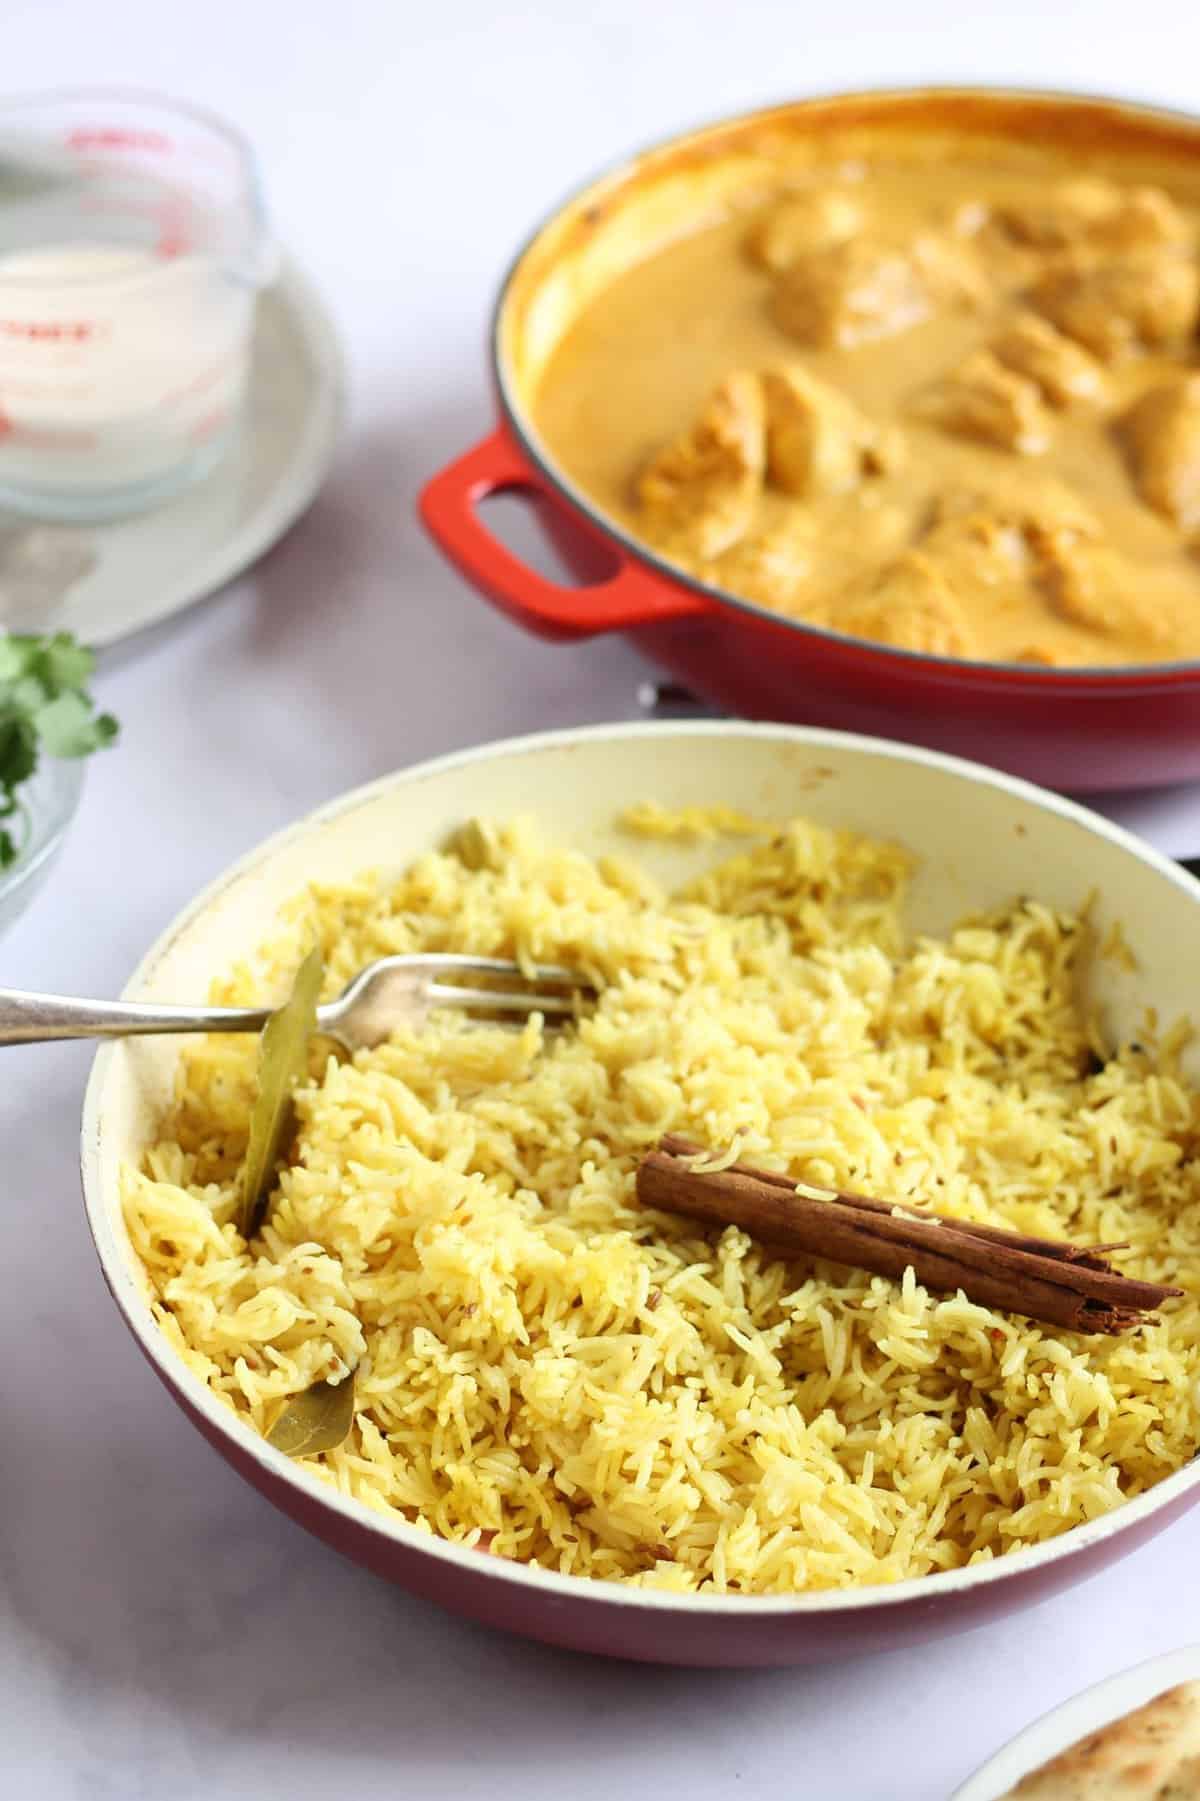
x,y
1152,1754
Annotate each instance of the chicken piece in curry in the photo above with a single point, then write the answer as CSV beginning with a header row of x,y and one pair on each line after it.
x,y
953,410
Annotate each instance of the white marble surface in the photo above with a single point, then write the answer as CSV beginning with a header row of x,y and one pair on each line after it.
x,y
163,1633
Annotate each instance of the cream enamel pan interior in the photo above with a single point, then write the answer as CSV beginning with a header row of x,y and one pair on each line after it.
x,y
981,838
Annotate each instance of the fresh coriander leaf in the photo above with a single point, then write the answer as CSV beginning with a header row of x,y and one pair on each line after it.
x,y
16,655
43,705
68,728
18,750
64,664
27,694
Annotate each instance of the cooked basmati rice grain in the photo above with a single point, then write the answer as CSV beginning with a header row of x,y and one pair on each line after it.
x,y
544,1369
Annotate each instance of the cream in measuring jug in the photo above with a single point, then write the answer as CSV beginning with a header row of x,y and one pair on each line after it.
x,y
128,283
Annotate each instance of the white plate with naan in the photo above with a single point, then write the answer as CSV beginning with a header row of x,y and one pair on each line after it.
x,y
1083,1715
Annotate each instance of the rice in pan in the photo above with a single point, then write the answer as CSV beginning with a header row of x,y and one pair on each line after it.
x,y
547,1371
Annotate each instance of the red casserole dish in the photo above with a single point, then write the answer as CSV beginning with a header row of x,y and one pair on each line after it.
x,y
1085,729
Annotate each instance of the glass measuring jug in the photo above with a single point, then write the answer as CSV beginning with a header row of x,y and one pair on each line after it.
x,y
133,248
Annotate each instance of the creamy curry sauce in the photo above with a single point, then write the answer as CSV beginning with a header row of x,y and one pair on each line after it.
x,y
948,409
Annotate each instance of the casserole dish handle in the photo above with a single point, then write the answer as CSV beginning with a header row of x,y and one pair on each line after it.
x,y
449,507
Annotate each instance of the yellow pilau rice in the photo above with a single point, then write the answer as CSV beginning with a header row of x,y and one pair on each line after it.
x,y
547,1371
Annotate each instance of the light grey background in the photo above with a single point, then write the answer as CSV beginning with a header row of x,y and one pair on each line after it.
x,y
163,1633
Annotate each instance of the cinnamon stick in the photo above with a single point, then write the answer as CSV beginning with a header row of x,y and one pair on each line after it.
x,y
1061,1284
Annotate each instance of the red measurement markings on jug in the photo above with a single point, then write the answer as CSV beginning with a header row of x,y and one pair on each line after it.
x,y
26,435
48,331
174,223
209,425
87,139
170,219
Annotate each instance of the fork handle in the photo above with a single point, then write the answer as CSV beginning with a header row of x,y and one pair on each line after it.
x,y
38,1018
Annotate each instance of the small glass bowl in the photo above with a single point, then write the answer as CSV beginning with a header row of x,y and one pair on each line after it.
x,y
47,806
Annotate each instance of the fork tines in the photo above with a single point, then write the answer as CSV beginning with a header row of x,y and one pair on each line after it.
x,y
539,999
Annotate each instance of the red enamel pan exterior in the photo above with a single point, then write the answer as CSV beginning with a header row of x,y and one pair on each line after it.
x,y
602,1621
1085,730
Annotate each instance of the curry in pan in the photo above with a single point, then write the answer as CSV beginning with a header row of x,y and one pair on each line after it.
x,y
947,403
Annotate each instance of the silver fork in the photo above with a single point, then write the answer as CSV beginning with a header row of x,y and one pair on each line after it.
x,y
391,992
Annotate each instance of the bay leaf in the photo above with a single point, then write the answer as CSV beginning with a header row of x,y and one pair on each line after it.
x,y
282,1061
316,1420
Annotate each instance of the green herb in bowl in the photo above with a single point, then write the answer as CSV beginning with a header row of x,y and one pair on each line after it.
x,y
45,707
